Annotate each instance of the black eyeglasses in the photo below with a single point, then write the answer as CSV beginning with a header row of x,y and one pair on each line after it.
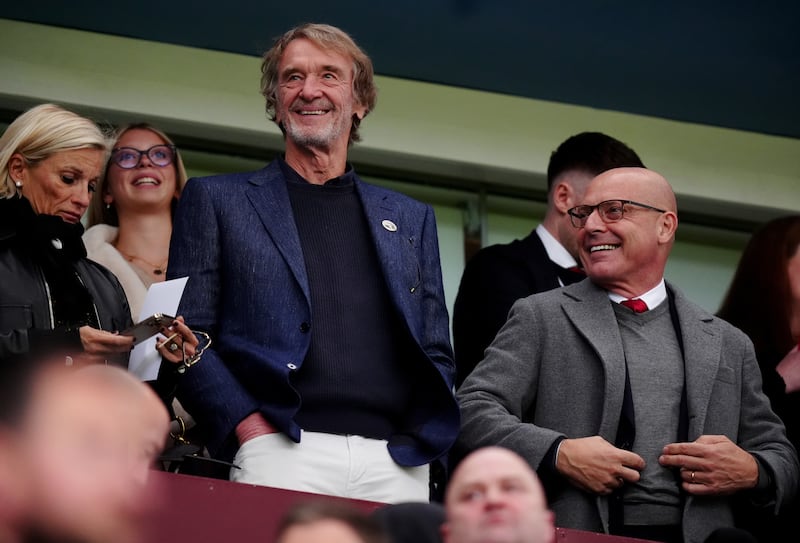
x,y
609,211
128,157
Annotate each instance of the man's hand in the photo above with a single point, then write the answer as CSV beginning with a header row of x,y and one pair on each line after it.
x,y
595,465
712,465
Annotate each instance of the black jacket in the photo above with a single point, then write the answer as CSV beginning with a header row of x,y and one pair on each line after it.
x,y
26,314
493,279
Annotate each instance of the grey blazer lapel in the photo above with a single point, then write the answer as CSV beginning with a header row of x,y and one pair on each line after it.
x,y
590,311
270,199
702,343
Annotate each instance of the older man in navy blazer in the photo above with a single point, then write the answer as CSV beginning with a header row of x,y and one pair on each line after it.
x,y
642,412
331,368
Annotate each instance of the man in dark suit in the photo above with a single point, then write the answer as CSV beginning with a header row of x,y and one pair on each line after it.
x,y
331,368
643,422
498,275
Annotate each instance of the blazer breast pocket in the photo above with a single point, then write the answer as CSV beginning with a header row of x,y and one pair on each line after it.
x,y
726,375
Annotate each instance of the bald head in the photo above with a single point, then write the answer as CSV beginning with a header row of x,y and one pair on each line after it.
x,y
495,496
572,166
496,459
624,245
107,428
132,395
637,183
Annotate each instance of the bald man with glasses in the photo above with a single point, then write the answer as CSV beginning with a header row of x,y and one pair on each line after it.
x,y
642,413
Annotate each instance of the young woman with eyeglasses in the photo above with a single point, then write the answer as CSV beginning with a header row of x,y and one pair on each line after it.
x,y
130,217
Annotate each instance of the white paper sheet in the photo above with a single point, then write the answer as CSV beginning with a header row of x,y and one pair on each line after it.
x,y
164,298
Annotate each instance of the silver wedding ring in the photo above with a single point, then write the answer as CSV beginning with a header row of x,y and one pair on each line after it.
x,y
692,477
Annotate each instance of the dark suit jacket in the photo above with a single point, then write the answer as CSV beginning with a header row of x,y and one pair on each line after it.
x,y
557,369
493,279
235,238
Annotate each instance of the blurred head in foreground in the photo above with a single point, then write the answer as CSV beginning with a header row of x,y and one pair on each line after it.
x,y
328,521
495,497
83,446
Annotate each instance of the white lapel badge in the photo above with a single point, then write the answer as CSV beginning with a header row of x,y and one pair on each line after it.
x,y
389,225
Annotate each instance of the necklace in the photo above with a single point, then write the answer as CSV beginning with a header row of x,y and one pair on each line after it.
x,y
157,270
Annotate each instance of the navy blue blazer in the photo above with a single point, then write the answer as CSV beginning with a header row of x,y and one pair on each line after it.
x,y
234,236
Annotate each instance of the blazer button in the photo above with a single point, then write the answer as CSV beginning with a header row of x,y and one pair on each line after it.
x,y
305,327
291,366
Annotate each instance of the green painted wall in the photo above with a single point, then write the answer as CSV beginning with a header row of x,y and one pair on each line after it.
x,y
441,144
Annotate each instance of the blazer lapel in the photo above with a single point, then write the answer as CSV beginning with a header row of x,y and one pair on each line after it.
x,y
590,311
270,199
702,345
385,228
588,308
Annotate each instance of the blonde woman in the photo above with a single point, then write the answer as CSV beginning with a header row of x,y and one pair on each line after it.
x,y
53,299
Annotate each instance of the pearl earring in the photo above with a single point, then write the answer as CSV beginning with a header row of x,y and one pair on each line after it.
x,y
18,183
108,206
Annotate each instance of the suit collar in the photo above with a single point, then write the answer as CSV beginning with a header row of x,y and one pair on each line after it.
x,y
555,250
390,231
702,341
588,307
270,200
538,264
653,297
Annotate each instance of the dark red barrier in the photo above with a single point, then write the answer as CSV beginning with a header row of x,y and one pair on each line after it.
x,y
200,510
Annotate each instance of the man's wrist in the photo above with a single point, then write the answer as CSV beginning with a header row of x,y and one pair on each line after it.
x,y
252,426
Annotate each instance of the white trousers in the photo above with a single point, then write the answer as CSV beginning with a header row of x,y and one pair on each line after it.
x,y
335,465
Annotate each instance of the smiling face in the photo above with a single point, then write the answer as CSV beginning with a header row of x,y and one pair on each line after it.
x,y
628,256
147,187
494,496
61,184
316,103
